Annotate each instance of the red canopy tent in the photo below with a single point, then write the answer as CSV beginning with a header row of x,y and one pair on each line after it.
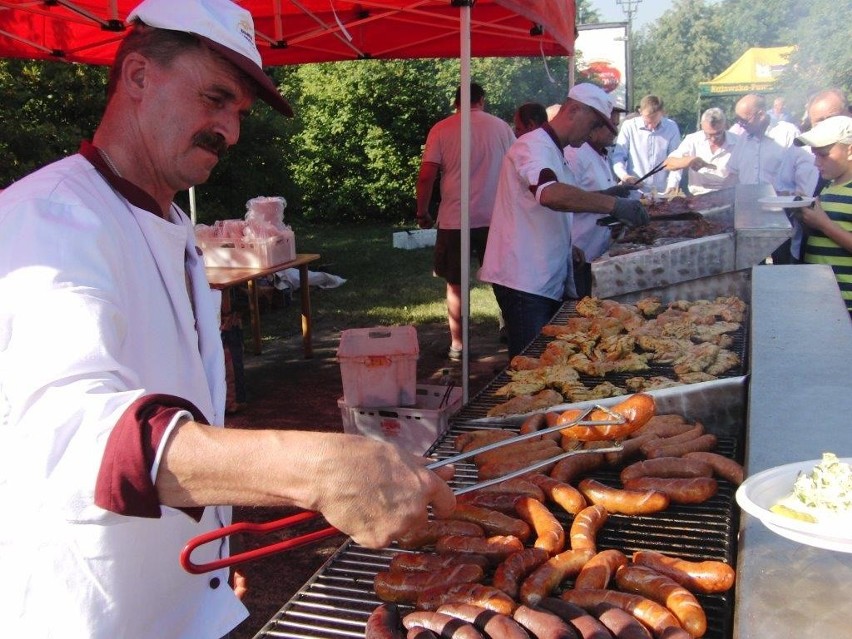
x,y
303,31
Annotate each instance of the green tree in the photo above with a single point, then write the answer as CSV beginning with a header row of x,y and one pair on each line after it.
x,y
46,109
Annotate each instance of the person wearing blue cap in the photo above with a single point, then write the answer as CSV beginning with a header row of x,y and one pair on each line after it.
x,y
113,453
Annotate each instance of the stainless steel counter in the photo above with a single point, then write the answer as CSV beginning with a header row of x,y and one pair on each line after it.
x,y
800,405
757,232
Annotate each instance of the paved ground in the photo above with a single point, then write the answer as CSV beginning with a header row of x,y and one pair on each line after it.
x,y
287,391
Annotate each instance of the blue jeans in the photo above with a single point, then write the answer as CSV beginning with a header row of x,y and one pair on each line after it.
x,y
525,315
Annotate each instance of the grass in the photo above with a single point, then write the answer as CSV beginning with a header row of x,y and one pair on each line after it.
x,y
384,285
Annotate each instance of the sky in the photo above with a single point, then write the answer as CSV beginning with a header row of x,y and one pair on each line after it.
x,y
646,11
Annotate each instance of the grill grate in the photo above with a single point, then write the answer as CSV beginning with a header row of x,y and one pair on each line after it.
x,y
339,598
479,405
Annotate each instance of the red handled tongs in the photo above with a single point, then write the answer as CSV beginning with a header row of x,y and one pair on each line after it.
x,y
302,517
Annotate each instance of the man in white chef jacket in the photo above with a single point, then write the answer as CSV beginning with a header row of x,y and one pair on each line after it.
x,y
112,385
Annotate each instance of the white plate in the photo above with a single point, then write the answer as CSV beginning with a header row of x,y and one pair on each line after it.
x,y
785,202
759,493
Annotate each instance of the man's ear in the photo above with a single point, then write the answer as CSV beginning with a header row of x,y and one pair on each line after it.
x,y
134,73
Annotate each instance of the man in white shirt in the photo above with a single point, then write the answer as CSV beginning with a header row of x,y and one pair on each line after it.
x,y
643,143
589,164
490,138
529,245
705,154
760,159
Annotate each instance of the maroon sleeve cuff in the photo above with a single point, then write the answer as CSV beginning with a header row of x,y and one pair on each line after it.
x,y
546,175
124,483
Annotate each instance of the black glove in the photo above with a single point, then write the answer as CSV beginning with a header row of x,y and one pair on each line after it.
x,y
631,212
621,190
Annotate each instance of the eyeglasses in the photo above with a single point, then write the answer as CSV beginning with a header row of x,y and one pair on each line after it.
x,y
746,121
714,135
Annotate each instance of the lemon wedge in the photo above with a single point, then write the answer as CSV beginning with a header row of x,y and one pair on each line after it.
x,y
780,509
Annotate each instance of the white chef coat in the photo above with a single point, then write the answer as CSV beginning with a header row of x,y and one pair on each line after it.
x,y
592,172
707,179
94,314
529,245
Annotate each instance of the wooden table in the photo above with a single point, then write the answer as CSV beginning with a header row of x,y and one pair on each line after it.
x,y
224,278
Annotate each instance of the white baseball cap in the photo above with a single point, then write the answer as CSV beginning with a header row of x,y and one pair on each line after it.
x,y
837,128
223,26
593,96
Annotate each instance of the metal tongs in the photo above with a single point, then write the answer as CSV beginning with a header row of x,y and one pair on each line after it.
x,y
305,516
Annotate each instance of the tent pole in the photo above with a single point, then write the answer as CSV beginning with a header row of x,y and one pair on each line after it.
x,y
192,213
465,197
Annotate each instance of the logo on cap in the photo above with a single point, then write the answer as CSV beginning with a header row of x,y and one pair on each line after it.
x,y
247,29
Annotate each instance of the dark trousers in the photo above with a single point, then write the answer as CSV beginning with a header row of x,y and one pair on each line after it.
x,y
525,315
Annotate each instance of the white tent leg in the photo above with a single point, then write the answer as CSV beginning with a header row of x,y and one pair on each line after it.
x,y
465,198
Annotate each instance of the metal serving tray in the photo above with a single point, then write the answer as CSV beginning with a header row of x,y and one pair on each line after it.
x,y
757,232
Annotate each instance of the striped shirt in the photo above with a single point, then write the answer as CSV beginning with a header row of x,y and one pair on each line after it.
x,y
836,201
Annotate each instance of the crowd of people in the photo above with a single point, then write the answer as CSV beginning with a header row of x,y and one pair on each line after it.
x,y
535,259
112,375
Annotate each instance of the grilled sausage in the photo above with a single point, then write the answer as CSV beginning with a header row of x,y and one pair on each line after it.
x,y
587,626
436,528
501,502
667,467
403,587
569,498
704,443
674,633
537,422
649,612
444,625
496,548
479,438
636,411
533,423
496,469
544,579
416,632
584,528
620,623
493,624
630,448
627,502
663,426
550,535
384,623
703,577
429,562
600,569
570,468
508,575
474,594
664,590
696,430
520,450
493,522
722,466
695,490
543,624
516,486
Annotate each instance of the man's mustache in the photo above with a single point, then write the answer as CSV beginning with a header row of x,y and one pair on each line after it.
x,y
212,142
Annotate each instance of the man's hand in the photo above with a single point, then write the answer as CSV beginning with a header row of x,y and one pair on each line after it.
x,y
631,212
620,190
424,221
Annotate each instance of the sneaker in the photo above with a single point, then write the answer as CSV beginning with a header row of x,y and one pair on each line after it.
x,y
454,354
